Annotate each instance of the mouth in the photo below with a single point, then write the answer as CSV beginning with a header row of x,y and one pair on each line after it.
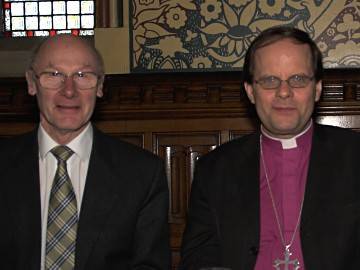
x,y
284,109
67,108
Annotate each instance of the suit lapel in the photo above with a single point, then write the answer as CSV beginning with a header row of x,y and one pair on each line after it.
x,y
98,200
317,191
241,213
24,179
249,172
251,193
243,172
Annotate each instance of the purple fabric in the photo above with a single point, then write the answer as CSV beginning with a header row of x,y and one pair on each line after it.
x,y
287,171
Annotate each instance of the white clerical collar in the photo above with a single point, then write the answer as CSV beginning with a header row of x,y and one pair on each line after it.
x,y
290,142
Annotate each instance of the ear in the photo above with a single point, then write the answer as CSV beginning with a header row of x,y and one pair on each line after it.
x,y
99,89
318,90
250,92
31,84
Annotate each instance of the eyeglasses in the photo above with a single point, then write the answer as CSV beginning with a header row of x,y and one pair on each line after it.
x,y
294,81
55,80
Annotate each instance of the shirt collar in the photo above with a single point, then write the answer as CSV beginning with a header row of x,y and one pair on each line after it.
x,y
81,145
290,142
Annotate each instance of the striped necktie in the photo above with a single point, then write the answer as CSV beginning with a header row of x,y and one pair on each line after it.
x,y
62,216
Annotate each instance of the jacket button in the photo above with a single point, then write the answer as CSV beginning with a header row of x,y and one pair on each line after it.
x,y
254,251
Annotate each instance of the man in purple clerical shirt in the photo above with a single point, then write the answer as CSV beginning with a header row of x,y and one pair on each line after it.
x,y
288,196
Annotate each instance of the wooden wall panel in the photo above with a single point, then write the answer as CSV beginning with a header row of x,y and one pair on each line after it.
x,y
133,138
180,152
180,117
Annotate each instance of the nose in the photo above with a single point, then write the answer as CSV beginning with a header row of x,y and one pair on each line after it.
x,y
284,90
69,88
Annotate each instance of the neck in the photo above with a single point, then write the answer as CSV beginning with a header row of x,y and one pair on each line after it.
x,y
280,137
63,137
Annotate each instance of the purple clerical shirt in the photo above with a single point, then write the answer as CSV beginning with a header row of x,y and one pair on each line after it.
x,y
286,164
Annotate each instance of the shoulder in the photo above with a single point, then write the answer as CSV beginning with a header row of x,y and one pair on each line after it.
x,y
238,148
337,143
113,147
13,145
130,166
336,134
15,149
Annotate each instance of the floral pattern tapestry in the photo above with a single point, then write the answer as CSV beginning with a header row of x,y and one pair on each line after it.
x,y
201,35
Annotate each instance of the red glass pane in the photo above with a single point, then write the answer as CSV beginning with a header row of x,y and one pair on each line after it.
x,y
6,5
75,32
30,33
52,33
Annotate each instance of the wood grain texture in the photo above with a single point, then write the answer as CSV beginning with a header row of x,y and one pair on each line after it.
x,y
180,117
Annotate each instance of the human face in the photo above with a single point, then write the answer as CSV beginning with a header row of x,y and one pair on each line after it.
x,y
284,112
66,111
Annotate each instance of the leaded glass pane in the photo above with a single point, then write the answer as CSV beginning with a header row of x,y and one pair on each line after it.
x,y
86,32
7,20
59,22
87,7
73,21
87,21
17,9
59,7
64,32
31,23
73,7
19,34
47,17
18,23
45,22
45,8
41,33
31,8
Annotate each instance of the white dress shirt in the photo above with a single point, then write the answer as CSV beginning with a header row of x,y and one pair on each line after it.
x,y
77,167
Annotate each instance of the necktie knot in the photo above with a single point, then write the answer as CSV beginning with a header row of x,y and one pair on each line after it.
x,y
62,152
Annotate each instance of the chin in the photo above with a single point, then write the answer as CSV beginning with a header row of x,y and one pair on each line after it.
x,y
71,126
71,122
284,130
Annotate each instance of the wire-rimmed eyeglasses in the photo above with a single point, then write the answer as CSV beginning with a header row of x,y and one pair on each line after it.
x,y
294,81
55,80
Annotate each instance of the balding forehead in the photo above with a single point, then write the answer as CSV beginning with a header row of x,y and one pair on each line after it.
x,y
66,44
63,42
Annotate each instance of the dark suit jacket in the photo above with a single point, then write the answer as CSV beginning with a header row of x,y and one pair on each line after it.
x,y
123,220
223,219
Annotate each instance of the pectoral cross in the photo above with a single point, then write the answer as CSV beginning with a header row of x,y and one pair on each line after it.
x,y
287,262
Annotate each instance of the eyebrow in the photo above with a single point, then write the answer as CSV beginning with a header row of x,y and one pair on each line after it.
x,y
291,75
82,68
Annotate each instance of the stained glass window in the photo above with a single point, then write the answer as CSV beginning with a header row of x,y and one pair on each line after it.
x,y
28,18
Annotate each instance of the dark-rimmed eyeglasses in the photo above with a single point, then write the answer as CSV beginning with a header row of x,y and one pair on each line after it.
x,y
294,81
55,80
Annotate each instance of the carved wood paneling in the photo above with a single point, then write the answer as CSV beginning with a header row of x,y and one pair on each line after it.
x,y
180,117
184,95
180,151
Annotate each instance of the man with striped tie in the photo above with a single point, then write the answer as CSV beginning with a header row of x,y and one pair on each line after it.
x,y
71,197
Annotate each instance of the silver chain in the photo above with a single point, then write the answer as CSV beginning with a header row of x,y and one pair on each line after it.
x,y
286,246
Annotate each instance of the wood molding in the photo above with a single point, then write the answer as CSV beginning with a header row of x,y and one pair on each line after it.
x,y
182,95
180,117
102,13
